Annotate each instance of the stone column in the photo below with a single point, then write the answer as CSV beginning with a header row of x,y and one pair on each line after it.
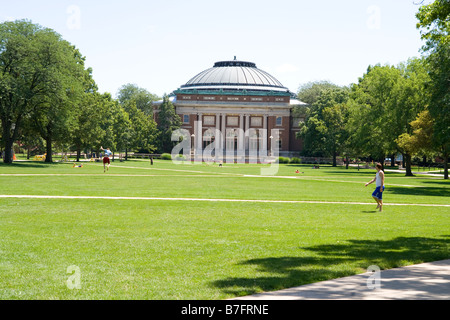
x,y
241,135
218,141
246,130
199,134
266,135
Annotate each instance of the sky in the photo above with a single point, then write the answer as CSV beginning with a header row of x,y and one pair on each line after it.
x,y
159,45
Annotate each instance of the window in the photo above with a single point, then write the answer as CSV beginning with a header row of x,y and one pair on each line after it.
x,y
256,121
279,121
255,141
231,140
186,119
209,120
232,121
296,122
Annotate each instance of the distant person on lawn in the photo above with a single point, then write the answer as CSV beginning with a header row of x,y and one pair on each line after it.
x,y
378,193
106,160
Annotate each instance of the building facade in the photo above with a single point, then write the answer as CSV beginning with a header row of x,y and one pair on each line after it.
x,y
236,106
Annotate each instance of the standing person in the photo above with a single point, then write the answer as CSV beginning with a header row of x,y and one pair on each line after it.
x,y
378,193
106,160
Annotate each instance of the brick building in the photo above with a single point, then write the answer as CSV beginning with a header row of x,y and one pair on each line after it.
x,y
236,106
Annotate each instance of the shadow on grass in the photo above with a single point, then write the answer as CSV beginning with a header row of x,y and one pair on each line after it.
x,y
442,182
335,261
423,191
28,164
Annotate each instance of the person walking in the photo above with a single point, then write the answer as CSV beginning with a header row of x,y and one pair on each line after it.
x,y
106,160
380,187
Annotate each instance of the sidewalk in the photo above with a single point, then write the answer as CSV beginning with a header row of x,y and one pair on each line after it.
x,y
427,281
427,173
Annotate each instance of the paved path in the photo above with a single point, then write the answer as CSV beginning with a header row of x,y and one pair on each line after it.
x,y
428,281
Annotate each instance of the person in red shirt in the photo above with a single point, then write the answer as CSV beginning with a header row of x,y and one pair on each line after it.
x,y
106,160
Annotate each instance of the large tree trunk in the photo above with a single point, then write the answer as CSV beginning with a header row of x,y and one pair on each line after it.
x,y
446,166
9,139
48,156
381,161
334,159
8,156
407,158
78,153
393,160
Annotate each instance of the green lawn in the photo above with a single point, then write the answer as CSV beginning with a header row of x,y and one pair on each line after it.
x,y
176,249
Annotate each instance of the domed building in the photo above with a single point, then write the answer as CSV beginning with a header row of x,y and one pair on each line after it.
x,y
245,104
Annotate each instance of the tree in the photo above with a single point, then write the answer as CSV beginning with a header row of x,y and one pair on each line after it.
x,y
410,97
142,97
168,122
419,141
385,101
370,108
311,91
142,134
434,24
440,102
39,74
435,29
324,131
86,130
122,128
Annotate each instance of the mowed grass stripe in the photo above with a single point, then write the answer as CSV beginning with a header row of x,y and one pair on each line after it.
x,y
170,250
214,200
211,240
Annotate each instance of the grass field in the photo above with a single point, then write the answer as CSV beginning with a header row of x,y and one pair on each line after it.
x,y
206,232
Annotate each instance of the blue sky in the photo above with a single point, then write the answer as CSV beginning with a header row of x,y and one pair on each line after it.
x,y
160,45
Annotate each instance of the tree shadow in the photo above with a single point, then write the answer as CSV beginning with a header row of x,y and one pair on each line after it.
x,y
443,182
26,164
332,261
422,191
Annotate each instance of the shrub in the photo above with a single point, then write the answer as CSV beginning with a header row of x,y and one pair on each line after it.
x,y
180,157
295,160
283,160
166,156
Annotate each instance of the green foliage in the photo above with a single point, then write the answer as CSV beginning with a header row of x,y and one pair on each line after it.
x,y
283,160
311,91
324,131
434,22
166,156
142,134
383,103
168,122
295,160
142,97
419,141
42,77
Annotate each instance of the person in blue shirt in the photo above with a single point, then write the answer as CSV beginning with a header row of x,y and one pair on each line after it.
x,y
106,160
